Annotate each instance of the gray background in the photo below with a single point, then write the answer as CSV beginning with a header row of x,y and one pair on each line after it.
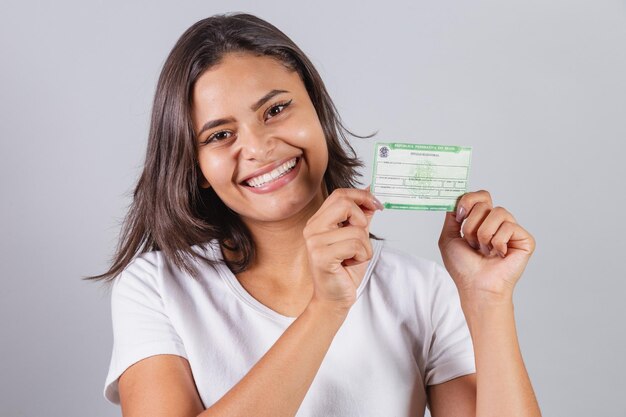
x,y
537,87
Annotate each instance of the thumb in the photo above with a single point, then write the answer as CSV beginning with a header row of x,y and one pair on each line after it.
x,y
451,227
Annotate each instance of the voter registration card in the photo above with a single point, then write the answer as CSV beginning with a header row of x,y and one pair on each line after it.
x,y
408,176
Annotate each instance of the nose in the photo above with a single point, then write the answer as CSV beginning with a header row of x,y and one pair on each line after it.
x,y
256,143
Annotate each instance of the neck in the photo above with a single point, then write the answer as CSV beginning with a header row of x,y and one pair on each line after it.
x,y
281,244
281,258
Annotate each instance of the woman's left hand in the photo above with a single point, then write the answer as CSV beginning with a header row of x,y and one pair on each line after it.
x,y
490,256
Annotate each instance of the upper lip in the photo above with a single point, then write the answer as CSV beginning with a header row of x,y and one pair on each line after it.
x,y
267,168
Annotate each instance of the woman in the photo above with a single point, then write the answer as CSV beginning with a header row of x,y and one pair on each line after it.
x,y
259,289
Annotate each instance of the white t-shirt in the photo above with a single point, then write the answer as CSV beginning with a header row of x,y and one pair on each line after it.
x,y
406,330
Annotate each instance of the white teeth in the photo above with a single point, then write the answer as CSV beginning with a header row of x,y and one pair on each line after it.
x,y
275,173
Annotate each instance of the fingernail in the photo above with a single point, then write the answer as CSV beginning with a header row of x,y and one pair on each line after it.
x,y
484,250
501,254
473,244
460,213
377,203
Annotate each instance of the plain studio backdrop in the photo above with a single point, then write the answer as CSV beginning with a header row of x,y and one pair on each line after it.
x,y
536,87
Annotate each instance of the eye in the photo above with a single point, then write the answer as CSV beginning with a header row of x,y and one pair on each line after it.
x,y
217,136
277,109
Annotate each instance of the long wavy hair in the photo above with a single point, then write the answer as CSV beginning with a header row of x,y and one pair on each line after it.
x,y
170,212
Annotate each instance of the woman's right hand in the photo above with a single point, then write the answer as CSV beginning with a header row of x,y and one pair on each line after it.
x,y
337,236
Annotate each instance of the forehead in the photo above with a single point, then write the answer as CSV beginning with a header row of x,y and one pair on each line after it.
x,y
243,76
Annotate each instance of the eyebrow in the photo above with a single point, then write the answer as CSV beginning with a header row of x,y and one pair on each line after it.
x,y
256,106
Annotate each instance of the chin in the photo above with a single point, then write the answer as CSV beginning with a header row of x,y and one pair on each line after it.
x,y
283,209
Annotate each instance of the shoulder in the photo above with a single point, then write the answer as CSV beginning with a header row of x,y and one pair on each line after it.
x,y
152,270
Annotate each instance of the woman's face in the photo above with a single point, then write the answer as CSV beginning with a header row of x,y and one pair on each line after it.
x,y
253,120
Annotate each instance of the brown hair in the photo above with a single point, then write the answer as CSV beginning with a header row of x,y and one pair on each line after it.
x,y
170,212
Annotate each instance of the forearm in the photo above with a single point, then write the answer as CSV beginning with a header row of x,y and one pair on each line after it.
x,y
279,381
503,385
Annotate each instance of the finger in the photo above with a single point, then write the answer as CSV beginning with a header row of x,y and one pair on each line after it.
x,y
475,218
369,213
344,205
329,257
502,237
354,215
361,197
337,235
468,200
330,216
490,226
511,235
321,246
451,229
452,222
352,249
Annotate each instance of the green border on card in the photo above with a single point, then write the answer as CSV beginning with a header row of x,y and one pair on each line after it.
x,y
423,147
426,147
420,207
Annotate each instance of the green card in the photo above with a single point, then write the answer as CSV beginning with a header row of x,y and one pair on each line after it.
x,y
409,176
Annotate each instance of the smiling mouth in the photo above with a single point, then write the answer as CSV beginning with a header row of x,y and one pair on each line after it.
x,y
273,175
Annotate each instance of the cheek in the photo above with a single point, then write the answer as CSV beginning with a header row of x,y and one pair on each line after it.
x,y
308,133
215,168
317,147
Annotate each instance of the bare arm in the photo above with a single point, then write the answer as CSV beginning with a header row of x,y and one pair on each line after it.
x,y
501,386
485,251
162,385
277,384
